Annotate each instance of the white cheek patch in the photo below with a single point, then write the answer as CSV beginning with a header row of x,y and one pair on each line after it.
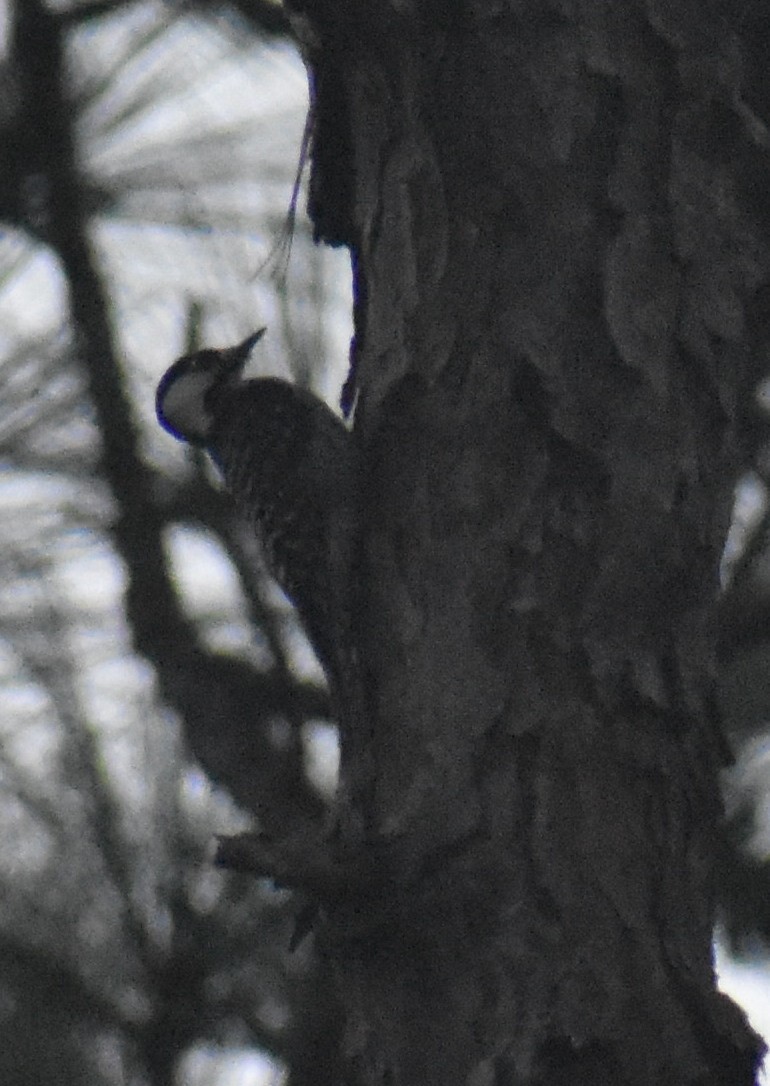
x,y
183,407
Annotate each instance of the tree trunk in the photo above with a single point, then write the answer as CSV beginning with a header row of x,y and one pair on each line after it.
x,y
560,245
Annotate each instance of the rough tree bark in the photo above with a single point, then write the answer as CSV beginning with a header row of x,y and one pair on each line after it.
x,y
559,226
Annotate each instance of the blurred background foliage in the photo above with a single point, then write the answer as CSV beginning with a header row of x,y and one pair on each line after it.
x,y
155,689
149,152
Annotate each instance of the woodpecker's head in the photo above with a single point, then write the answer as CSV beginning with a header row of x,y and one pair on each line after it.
x,y
184,402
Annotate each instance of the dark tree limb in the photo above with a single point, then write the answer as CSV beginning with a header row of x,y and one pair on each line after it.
x,y
560,269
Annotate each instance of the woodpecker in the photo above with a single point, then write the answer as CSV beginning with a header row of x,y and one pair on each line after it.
x,y
290,465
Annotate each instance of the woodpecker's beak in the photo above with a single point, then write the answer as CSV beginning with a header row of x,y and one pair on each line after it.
x,y
239,356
